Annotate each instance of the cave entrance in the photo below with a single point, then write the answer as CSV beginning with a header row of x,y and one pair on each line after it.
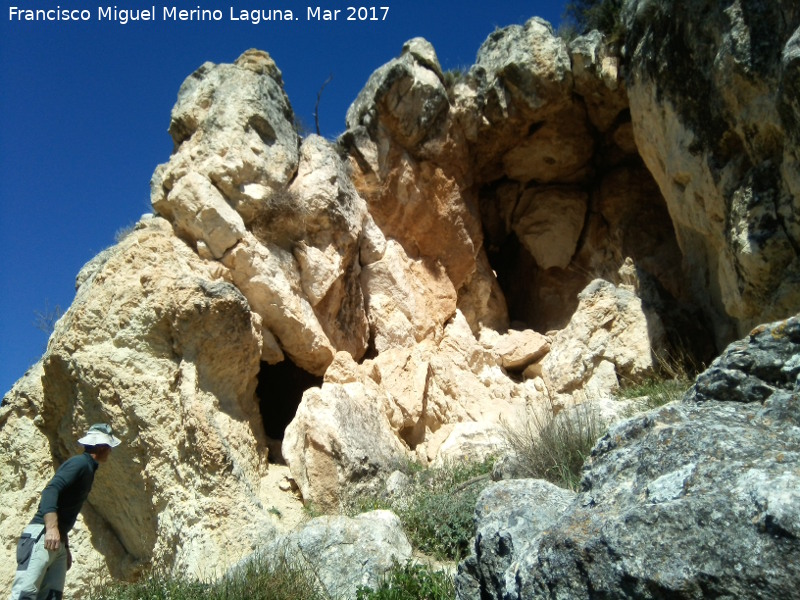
x,y
280,389
542,299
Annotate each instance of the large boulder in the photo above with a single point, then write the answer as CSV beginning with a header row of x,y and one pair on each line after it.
x,y
696,499
282,216
233,126
510,517
344,553
612,339
433,402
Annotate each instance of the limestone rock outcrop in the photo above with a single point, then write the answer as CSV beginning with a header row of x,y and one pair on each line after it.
x,y
715,118
158,344
476,245
698,498
435,403
609,341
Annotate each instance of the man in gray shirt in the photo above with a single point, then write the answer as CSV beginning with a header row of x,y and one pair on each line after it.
x,y
43,555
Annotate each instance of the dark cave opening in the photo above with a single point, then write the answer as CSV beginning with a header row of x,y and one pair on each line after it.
x,y
542,299
280,390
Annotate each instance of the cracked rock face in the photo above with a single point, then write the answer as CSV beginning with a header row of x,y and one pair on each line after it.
x,y
715,119
162,347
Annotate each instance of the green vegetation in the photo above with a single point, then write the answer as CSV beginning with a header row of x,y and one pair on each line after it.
x,y
655,392
412,582
261,578
436,507
583,16
676,371
266,580
553,444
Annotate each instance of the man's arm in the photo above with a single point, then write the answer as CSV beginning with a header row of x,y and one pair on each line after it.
x,y
52,537
48,505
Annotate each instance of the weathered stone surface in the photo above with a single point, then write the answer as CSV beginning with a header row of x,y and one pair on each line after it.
x,y
695,499
158,344
340,437
407,300
389,262
549,222
555,151
527,70
286,222
346,553
233,125
518,349
406,96
197,209
598,80
510,516
754,368
611,336
713,124
408,164
435,402
268,276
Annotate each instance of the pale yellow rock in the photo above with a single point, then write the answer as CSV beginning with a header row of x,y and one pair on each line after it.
x,y
197,209
518,349
610,338
165,351
269,278
406,300
555,151
549,221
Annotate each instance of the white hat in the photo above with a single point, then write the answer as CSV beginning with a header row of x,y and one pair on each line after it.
x,y
100,434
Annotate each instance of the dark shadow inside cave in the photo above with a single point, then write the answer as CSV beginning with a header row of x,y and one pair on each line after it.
x,y
626,219
280,389
542,299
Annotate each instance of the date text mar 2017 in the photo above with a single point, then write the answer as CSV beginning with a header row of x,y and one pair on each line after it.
x,y
348,13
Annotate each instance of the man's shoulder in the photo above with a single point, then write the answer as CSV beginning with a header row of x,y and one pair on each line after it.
x,y
76,463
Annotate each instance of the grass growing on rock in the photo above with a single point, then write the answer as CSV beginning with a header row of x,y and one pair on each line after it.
x,y
263,578
553,443
675,374
435,506
412,582
655,392
267,579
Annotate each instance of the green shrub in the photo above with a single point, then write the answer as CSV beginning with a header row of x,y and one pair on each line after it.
x,y
553,444
412,582
437,513
440,523
258,578
151,587
603,15
435,508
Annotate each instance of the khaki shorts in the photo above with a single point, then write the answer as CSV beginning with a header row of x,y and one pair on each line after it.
x,y
40,572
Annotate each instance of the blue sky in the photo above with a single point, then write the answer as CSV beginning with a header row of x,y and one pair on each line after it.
x,y
84,110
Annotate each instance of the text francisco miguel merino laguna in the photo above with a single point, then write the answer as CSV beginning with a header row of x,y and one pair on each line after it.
x,y
173,13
